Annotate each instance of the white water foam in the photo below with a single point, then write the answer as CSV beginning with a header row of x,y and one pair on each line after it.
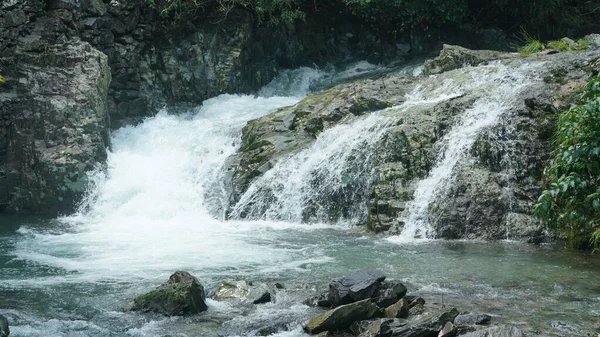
x,y
498,86
148,212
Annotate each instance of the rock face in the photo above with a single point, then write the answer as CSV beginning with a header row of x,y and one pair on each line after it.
x,y
494,184
4,330
54,125
183,294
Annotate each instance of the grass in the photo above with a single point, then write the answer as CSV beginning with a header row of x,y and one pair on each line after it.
x,y
531,46
559,45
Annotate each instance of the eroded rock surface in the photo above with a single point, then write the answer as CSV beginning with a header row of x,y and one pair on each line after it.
x,y
494,184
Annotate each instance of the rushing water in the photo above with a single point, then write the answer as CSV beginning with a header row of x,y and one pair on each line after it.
x,y
148,213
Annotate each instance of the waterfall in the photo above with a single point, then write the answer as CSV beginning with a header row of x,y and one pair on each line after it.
x,y
498,87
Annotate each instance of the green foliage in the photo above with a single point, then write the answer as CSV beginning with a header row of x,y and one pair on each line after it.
x,y
42,8
405,14
267,11
559,45
2,79
531,46
571,204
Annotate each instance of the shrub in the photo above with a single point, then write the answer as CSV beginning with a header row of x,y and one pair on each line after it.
x,y
571,204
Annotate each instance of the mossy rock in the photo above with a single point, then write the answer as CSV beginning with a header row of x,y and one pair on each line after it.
x,y
182,295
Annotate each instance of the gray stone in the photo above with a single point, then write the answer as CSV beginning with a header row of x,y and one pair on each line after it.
x,y
181,295
243,291
389,292
593,39
399,309
425,326
472,319
361,285
497,331
454,57
342,317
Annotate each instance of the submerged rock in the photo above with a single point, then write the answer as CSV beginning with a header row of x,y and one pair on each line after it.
x,y
355,287
183,294
255,293
4,330
497,331
472,319
342,316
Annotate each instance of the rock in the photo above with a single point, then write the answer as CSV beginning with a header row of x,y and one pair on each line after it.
x,y
449,330
56,129
454,57
373,328
320,300
472,319
4,330
342,317
593,39
243,291
181,295
398,309
355,287
389,292
496,331
572,44
424,326
416,302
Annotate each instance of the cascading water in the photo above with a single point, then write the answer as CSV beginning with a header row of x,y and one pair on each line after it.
x,y
151,211
325,182
498,86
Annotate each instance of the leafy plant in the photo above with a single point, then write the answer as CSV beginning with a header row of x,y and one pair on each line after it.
x,y
2,79
571,203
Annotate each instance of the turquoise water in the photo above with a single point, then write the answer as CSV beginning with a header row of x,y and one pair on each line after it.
x,y
546,289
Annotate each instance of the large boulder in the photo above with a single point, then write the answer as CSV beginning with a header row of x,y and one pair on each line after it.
x,y
53,125
243,291
453,57
342,317
181,295
4,330
389,292
361,285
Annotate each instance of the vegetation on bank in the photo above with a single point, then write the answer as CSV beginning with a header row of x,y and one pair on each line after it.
x,y
571,203
546,18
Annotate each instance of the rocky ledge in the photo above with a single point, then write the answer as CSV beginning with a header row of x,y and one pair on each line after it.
x,y
494,186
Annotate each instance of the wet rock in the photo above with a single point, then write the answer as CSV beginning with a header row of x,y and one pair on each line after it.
x,y
472,319
355,287
454,57
56,126
426,325
399,309
497,331
342,317
255,293
449,330
181,295
389,292
593,39
4,330
320,300
373,328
